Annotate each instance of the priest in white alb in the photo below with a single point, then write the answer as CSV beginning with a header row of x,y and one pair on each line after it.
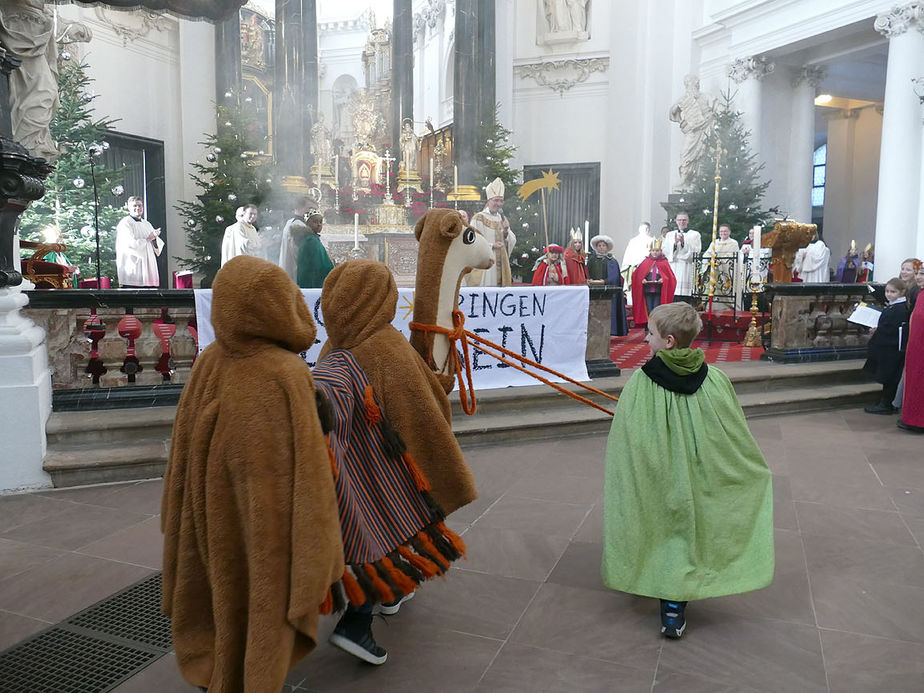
x,y
686,244
136,248
811,262
493,225
241,237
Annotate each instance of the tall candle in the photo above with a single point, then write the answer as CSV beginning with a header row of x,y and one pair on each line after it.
x,y
431,173
455,180
336,171
356,229
586,235
755,254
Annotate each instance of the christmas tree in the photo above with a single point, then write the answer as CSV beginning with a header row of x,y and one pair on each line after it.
x,y
740,188
235,174
495,153
67,209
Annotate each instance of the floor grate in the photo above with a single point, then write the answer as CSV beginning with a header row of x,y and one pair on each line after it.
x,y
94,650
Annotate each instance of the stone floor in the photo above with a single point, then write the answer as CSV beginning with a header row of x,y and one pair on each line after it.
x,y
527,611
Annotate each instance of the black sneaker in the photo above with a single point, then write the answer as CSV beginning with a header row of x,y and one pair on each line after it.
x,y
395,606
880,408
353,634
672,621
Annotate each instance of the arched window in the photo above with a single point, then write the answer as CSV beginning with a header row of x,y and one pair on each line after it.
x,y
818,176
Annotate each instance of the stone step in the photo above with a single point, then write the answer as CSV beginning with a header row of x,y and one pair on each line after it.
x,y
119,445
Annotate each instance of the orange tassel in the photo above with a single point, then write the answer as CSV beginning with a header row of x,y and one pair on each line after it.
x,y
432,550
327,606
419,479
373,413
333,461
423,564
353,591
384,590
452,537
404,583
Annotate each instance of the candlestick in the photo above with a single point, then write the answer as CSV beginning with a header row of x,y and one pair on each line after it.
x,y
355,230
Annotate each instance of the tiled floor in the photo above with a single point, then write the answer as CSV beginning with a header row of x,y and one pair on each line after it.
x,y
527,611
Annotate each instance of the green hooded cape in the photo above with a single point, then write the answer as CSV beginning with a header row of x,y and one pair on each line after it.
x,y
688,507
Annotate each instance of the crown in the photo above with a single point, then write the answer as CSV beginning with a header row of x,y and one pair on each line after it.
x,y
656,243
576,235
869,247
853,245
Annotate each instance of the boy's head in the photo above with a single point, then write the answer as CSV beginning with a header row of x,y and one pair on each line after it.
x,y
895,288
672,326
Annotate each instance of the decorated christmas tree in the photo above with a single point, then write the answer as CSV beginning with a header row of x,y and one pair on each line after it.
x,y
740,189
525,216
67,209
235,174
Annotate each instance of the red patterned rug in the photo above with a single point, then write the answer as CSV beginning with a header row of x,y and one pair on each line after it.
x,y
631,351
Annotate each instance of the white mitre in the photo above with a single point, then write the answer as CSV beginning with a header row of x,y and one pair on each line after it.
x,y
495,189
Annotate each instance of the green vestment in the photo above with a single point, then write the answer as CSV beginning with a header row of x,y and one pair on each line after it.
x,y
313,263
688,506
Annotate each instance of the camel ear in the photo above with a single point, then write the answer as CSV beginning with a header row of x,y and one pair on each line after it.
x,y
451,225
419,226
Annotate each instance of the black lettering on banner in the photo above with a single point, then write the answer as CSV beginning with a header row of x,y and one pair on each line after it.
x,y
476,352
525,339
471,310
508,308
539,304
504,330
486,306
317,313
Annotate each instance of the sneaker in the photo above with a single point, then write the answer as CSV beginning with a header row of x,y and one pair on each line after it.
x,y
880,408
393,608
672,621
353,634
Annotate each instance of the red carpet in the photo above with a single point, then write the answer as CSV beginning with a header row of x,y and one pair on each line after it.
x,y
631,351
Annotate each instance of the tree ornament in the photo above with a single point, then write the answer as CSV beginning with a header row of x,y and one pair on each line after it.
x,y
118,191
65,55
191,223
210,158
232,197
219,218
228,94
79,183
217,150
733,207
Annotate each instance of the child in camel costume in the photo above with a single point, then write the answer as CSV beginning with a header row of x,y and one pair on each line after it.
x,y
393,417
252,540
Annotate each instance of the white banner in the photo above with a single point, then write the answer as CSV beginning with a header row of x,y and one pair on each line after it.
x,y
547,325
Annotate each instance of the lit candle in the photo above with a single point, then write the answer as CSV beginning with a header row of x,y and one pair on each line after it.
x,y
586,235
755,254
455,180
355,230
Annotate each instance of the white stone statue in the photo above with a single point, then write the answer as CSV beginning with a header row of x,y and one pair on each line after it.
x,y
695,112
577,9
565,15
321,148
410,145
27,30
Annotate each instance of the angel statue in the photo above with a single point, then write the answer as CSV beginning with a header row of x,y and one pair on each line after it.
x,y
410,145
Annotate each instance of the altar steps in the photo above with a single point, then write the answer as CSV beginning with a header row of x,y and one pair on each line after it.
x,y
122,444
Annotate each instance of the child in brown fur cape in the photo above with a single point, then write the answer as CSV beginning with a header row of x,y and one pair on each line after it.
x,y
252,540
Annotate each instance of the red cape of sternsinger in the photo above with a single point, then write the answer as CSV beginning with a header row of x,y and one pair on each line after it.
x,y
639,310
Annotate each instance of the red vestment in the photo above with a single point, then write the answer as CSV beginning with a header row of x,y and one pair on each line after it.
x,y
639,310
913,399
540,275
577,267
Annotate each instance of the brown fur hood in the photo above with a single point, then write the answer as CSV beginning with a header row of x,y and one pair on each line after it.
x,y
358,302
252,537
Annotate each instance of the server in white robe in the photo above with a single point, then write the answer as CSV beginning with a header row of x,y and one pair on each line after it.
x,y
293,233
811,262
681,252
136,248
241,237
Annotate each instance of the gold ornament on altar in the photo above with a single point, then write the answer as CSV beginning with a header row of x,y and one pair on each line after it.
x,y
367,119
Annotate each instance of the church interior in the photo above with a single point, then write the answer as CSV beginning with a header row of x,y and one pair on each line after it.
x,y
760,160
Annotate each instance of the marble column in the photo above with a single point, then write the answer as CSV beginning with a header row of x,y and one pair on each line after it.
x,y
802,143
898,227
747,74
402,68
295,92
486,52
465,98
25,379
228,57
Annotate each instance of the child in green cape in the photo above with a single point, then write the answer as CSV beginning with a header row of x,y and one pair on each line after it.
x,y
688,510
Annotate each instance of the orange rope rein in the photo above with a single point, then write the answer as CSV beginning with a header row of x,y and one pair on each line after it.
x,y
458,333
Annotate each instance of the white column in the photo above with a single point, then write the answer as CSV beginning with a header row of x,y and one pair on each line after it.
x,y
25,395
802,143
505,17
898,223
919,92
747,74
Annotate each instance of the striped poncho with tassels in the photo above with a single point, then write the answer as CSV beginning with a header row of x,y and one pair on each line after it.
x,y
393,532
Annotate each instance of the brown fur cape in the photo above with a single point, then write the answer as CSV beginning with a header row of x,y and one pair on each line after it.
x,y
251,530
358,301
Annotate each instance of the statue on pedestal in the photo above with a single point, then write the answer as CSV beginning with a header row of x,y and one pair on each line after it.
x,y
322,150
410,145
565,20
27,31
695,112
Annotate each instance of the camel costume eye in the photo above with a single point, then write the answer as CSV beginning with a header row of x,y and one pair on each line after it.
x,y
468,236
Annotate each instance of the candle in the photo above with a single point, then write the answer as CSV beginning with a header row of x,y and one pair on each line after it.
x,y
755,254
431,173
586,235
336,172
355,230
455,180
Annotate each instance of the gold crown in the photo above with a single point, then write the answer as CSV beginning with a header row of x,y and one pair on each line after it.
x,y
869,247
853,245
577,235
656,243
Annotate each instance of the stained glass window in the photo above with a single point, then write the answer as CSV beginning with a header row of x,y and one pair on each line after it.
x,y
818,176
